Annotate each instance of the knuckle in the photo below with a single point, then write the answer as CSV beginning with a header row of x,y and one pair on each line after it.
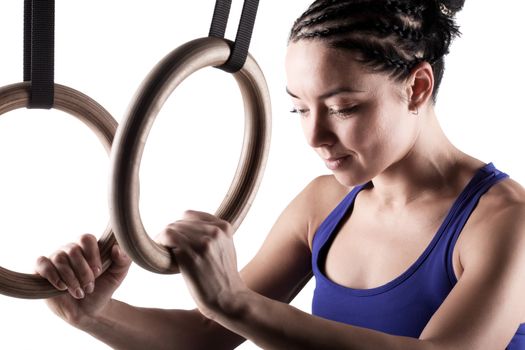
x,y
186,215
188,212
74,250
42,260
60,259
215,231
166,236
172,229
87,238
43,266
169,229
226,227
56,281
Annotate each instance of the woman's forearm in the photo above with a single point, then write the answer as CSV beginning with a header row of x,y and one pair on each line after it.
x,y
274,325
123,326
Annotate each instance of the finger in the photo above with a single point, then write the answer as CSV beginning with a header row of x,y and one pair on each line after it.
x,y
198,237
45,268
91,252
80,266
120,260
198,215
63,265
167,236
194,231
202,217
176,240
193,215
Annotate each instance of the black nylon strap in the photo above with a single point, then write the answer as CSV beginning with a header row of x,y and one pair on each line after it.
x,y
28,8
220,18
39,47
240,47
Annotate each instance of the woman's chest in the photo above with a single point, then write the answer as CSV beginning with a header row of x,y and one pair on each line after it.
x,y
372,248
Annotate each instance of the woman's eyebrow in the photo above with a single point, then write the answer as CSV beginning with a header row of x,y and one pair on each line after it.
x,y
331,93
291,93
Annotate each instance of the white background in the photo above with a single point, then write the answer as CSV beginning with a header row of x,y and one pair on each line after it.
x,y
53,170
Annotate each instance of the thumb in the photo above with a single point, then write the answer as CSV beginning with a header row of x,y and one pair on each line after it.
x,y
113,276
120,262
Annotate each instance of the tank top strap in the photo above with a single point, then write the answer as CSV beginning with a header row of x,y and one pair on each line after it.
x,y
328,226
484,179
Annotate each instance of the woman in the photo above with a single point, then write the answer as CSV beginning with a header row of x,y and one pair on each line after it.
x,y
413,243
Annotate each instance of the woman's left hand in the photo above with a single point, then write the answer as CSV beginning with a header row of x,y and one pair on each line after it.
x,y
204,249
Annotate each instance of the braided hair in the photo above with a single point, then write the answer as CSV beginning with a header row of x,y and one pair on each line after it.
x,y
391,36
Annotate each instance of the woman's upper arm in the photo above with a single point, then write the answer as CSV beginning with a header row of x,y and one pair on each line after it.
x,y
282,265
486,306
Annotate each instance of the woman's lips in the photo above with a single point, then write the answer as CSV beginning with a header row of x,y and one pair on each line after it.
x,y
336,162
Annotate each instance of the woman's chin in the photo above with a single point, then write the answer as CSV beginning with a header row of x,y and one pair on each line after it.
x,y
349,179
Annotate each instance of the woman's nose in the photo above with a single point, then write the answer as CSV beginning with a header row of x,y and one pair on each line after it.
x,y
317,131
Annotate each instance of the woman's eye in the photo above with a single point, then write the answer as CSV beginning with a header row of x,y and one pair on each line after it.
x,y
342,112
333,112
300,111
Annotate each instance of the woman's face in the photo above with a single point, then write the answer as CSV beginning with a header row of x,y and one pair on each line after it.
x,y
357,121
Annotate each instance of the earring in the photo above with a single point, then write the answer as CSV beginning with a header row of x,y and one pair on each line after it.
x,y
416,112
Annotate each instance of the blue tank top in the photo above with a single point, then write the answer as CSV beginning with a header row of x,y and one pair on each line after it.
x,y
404,305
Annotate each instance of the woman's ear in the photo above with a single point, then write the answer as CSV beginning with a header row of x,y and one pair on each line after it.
x,y
420,86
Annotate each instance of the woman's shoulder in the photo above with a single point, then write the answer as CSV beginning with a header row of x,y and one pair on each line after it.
x,y
497,226
324,192
504,198
319,198
327,188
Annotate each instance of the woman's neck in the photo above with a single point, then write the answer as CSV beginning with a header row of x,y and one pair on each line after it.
x,y
433,165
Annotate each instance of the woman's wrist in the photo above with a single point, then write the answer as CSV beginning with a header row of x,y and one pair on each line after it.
x,y
232,306
95,322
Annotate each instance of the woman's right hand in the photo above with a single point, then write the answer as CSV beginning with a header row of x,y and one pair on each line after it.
x,y
77,269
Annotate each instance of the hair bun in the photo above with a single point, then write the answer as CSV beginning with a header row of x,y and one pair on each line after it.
x,y
450,7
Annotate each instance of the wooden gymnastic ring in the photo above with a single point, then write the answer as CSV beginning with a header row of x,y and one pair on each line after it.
x,y
133,131
15,96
